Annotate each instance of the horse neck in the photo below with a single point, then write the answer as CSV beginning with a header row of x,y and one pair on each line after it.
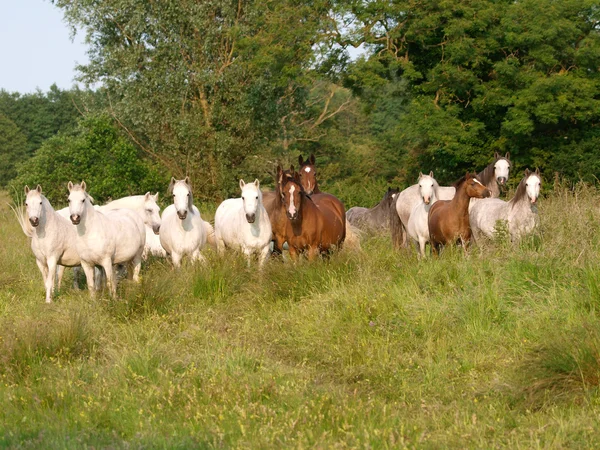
x,y
47,218
520,203
488,179
89,215
307,206
461,199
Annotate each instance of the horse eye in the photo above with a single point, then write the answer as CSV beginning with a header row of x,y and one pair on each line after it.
x,y
257,197
188,194
26,204
40,203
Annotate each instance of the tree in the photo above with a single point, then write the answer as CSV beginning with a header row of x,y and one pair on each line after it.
x,y
201,86
13,149
97,153
483,76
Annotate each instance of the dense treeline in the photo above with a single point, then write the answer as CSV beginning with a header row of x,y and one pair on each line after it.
x,y
222,90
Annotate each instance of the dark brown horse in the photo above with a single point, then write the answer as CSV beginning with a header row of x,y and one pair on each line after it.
x,y
449,219
314,224
308,174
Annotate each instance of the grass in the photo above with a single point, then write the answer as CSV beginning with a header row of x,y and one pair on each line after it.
x,y
370,349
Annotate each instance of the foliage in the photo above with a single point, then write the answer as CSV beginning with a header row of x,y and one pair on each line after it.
x,y
13,149
97,153
200,86
483,76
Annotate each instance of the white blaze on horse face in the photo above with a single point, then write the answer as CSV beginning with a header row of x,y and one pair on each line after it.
x,y
292,207
181,195
533,185
477,181
307,169
501,170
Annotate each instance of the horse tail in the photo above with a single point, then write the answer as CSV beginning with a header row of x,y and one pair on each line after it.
x,y
21,216
396,228
353,236
210,234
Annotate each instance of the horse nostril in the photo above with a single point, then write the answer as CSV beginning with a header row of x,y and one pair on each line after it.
x,y
156,229
250,218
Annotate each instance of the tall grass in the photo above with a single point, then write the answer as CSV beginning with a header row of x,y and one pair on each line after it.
x,y
496,348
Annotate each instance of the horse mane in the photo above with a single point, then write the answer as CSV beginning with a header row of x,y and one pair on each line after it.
x,y
462,179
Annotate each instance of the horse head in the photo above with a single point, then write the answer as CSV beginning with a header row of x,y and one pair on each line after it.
x,y
33,203
427,188
533,183
182,196
474,187
152,212
251,199
77,198
308,174
501,168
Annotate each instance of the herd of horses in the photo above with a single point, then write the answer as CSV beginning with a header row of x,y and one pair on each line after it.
x,y
295,215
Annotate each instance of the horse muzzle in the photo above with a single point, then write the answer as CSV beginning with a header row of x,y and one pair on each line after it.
x,y
534,201
501,181
34,221
75,219
182,215
427,201
292,216
250,218
156,229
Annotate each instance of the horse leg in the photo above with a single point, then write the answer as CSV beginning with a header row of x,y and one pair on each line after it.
x,y
293,253
176,259
248,252
76,271
422,242
51,274
109,271
90,278
198,256
60,271
313,252
44,270
137,266
220,246
264,254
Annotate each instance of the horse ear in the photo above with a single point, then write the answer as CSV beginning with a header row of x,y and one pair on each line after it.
x,y
257,183
537,170
83,185
69,186
300,160
292,169
187,179
38,188
242,184
171,185
420,174
496,155
431,173
155,197
147,195
26,189
312,159
527,172
507,156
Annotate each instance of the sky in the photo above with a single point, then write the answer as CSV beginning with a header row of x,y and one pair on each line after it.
x,y
36,49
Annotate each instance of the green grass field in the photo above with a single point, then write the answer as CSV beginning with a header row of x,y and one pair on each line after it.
x,y
371,349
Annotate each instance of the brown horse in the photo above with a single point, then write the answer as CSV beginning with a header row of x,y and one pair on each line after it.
x,y
313,225
308,174
449,219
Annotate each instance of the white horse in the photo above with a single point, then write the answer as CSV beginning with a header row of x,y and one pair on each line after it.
x,y
243,223
52,238
147,208
183,231
105,238
418,227
520,212
492,176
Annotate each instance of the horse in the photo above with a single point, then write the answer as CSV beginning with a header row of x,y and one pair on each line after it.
x,y
493,176
448,220
105,238
183,231
374,219
313,224
52,238
244,223
147,208
418,228
520,213
308,178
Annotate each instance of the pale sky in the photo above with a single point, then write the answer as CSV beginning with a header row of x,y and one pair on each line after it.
x,y
36,48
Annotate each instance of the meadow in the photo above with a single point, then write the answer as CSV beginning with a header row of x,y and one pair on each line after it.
x,y
499,348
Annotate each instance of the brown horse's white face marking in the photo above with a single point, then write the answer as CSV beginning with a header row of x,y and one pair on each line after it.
x,y
291,210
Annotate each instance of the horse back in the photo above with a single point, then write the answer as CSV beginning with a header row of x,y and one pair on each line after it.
x,y
446,224
333,225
